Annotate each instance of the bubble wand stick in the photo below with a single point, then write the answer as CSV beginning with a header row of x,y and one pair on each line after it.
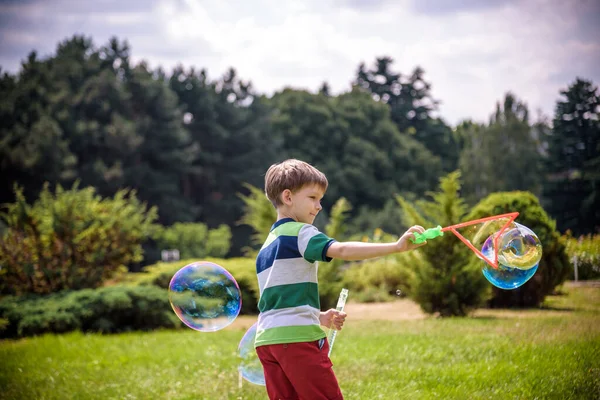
x,y
340,307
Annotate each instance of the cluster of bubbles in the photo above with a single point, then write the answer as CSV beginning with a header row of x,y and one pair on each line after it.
x,y
207,298
518,251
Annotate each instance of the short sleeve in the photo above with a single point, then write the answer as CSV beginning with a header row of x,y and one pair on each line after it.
x,y
313,244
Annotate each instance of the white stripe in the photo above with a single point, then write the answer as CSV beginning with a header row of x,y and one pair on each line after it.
x,y
292,316
306,233
286,272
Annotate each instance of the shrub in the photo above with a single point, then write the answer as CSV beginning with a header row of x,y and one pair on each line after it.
x,y
444,282
108,310
554,268
584,252
72,239
379,279
195,240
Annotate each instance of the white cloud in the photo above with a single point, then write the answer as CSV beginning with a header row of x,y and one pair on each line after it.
x,y
472,54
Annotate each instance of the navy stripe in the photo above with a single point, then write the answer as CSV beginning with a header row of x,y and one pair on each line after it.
x,y
283,247
281,222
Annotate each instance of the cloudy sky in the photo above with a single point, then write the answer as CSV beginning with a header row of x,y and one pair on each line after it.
x,y
473,51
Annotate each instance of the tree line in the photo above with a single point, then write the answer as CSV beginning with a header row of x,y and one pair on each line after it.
x,y
191,145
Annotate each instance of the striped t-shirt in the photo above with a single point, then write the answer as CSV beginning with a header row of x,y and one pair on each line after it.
x,y
286,267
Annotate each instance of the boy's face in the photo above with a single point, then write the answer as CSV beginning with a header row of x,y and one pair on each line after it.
x,y
306,203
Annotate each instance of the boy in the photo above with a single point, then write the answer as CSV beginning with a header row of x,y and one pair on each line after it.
x,y
289,341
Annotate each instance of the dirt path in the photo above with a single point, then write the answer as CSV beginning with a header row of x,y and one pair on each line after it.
x,y
405,309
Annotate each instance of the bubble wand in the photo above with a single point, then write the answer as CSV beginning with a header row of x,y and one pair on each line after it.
x,y
340,307
432,233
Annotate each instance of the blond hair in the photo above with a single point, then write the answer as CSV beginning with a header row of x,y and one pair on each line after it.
x,y
291,174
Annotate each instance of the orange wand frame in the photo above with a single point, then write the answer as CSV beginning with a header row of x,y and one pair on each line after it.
x,y
439,231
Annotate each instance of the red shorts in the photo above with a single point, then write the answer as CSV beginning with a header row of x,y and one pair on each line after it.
x,y
299,371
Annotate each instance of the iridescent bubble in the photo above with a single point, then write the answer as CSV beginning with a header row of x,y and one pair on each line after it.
x,y
250,367
505,277
520,248
205,296
519,254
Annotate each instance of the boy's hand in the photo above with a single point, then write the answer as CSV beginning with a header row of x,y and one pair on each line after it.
x,y
404,242
332,317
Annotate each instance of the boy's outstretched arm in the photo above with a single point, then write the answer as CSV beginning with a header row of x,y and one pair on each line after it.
x,y
352,251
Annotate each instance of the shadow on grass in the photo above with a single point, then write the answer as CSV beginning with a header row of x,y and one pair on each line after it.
x,y
509,313
554,308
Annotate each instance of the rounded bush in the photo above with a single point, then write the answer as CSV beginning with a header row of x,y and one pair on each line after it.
x,y
554,267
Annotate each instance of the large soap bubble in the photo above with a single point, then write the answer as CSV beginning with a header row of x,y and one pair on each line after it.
x,y
519,252
205,296
250,367
520,248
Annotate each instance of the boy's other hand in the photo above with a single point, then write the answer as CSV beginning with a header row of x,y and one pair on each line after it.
x,y
404,243
333,318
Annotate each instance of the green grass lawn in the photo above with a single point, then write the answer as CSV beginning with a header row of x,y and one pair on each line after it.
x,y
552,353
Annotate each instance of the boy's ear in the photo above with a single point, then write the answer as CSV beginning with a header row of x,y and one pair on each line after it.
x,y
286,197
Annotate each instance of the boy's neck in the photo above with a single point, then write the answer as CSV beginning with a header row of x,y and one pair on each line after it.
x,y
281,214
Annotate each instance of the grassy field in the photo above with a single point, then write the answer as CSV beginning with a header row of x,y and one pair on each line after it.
x,y
550,353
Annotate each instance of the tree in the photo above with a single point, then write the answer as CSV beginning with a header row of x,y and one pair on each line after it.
x,y
572,184
443,281
166,152
353,141
70,239
554,268
33,147
411,107
503,155
86,114
229,125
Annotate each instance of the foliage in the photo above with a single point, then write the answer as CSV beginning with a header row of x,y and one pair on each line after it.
x,y
228,123
330,277
70,239
188,143
388,219
573,161
195,240
107,310
352,140
336,228
259,213
411,107
380,279
584,252
444,282
503,155
554,268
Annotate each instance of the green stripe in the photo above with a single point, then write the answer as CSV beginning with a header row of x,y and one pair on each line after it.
x,y
269,240
288,229
293,295
289,334
314,249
